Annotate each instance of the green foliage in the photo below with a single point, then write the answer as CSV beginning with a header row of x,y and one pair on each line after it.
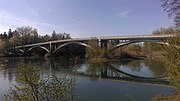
x,y
172,59
96,51
153,48
130,51
171,52
153,64
133,49
91,53
149,47
32,86
134,65
95,68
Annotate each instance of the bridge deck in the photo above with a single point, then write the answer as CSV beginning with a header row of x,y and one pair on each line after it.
x,y
137,37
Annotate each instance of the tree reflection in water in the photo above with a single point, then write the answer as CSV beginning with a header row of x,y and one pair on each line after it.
x,y
154,67
97,69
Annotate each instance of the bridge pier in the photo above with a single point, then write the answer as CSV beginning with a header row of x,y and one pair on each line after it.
x,y
104,44
48,55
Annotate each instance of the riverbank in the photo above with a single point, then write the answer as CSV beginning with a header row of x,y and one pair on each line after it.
x,y
175,97
96,59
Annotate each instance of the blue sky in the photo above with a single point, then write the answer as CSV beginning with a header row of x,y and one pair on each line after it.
x,y
84,18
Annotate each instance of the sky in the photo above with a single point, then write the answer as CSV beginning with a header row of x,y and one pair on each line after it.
x,y
85,18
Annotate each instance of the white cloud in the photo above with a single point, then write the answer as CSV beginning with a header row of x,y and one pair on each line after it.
x,y
125,14
9,20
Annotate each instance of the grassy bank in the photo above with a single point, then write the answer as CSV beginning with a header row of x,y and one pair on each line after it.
x,y
175,97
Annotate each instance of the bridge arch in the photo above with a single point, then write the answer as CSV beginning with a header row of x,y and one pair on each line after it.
x,y
69,43
125,74
41,47
16,52
20,50
136,41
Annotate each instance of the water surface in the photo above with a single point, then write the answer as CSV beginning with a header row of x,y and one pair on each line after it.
x,y
96,82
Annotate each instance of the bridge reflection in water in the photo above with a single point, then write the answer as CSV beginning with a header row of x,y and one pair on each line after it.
x,y
113,73
94,71
109,72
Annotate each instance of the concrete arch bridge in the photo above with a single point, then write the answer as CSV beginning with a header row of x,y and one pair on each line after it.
x,y
54,47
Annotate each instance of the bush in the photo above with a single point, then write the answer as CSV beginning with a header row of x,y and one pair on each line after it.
x,y
32,86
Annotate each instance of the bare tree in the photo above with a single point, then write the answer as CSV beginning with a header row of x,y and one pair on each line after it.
x,y
172,7
28,34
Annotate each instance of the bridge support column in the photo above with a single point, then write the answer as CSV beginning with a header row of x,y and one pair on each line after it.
x,y
25,49
104,44
99,40
49,54
50,47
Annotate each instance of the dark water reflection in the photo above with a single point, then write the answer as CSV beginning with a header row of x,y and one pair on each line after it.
x,y
95,82
144,68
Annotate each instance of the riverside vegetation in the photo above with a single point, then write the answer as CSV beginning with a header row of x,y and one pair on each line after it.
x,y
172,61
34,86
172,51
96,53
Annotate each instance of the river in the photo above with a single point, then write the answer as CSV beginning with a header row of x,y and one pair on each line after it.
x,y
97,82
